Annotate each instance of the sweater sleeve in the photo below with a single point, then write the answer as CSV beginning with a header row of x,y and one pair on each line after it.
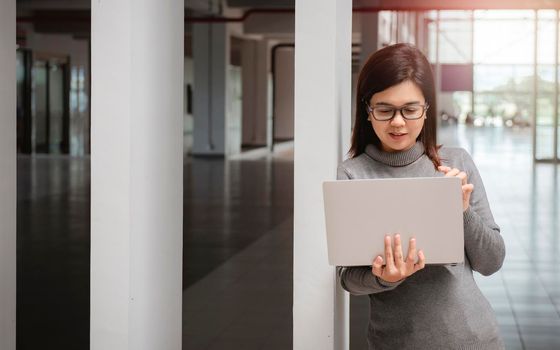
x,y
484,244
359,280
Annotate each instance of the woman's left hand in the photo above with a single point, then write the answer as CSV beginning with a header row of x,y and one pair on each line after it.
x,y
465,186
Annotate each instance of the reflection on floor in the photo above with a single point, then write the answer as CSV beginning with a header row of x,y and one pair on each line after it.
x,y
52,253
238,248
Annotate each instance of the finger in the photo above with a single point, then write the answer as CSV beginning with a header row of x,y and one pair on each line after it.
x,y
377,266
463,176
421,261
467,190
398,251
411,256
452,172
389,261
443,168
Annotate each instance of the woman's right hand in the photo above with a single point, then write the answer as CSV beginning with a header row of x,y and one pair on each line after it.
x,y
394,268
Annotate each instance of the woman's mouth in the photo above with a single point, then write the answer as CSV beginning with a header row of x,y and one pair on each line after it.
x,y
397,136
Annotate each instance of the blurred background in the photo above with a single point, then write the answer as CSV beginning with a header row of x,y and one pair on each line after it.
x,y
496,67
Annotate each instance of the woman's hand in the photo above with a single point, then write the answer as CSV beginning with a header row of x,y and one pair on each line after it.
x,y
465,186
395,268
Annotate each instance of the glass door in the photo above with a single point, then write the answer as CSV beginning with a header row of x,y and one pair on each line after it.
x,y
50,105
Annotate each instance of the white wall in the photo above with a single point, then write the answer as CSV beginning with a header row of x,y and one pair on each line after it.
x,y
79,60
234,110
8,175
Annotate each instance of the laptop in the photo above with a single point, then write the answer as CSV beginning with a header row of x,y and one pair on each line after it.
x,y
359,213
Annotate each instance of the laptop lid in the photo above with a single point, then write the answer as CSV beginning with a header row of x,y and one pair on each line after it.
x,y
359,213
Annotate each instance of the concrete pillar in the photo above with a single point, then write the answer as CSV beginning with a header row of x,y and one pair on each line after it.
x,y
284,94
322,130
249,91
136,174
256,72
8,194
211,50
263,98
370,35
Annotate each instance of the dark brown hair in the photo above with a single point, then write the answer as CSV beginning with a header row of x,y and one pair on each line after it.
x,y
385,68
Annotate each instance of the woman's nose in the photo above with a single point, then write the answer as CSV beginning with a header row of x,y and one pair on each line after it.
x,y
398,119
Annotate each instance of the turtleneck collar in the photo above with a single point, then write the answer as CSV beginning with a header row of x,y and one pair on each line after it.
x,y
402,158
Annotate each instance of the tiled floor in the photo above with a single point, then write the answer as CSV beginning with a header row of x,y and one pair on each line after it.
x,y
525,294
238,248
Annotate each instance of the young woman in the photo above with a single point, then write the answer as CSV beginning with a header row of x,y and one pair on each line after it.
x,y
413,306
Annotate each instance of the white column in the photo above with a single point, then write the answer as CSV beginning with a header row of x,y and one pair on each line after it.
x,y
283,91
211,62
136,174
322,118
256,72
263,99
249,76
8,175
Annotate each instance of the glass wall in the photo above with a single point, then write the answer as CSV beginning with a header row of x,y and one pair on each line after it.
x,y
49,107
451,52
503,67
514,58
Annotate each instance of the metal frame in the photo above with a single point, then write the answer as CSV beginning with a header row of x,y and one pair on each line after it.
x,y
535,84
472,62
554,158
556,27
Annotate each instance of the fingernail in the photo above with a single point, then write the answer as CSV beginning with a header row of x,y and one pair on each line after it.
x,y
397,236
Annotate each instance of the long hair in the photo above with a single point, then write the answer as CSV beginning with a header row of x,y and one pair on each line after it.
x,y
385,68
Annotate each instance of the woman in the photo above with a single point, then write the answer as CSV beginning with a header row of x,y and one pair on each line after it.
x,y
413,306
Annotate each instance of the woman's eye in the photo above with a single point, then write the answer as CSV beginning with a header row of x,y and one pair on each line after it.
x,y
384,110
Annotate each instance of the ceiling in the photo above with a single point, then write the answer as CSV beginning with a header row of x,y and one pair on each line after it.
x,y
269,17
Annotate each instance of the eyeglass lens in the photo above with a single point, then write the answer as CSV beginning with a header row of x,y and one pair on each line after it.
x,y
408,112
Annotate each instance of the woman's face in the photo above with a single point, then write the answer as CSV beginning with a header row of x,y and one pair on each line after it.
x,y
398,134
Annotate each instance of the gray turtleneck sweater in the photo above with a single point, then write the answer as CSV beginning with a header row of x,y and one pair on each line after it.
x,y
439,307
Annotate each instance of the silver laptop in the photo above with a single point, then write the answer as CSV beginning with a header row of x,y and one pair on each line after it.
x,y
359,213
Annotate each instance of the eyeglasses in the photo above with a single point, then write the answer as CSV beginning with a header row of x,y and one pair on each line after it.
x,y
409,112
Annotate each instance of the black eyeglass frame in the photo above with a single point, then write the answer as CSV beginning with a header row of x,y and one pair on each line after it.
x,y
400,109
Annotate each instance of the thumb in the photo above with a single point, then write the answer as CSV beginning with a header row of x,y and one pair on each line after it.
x,y
377,268
467,189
